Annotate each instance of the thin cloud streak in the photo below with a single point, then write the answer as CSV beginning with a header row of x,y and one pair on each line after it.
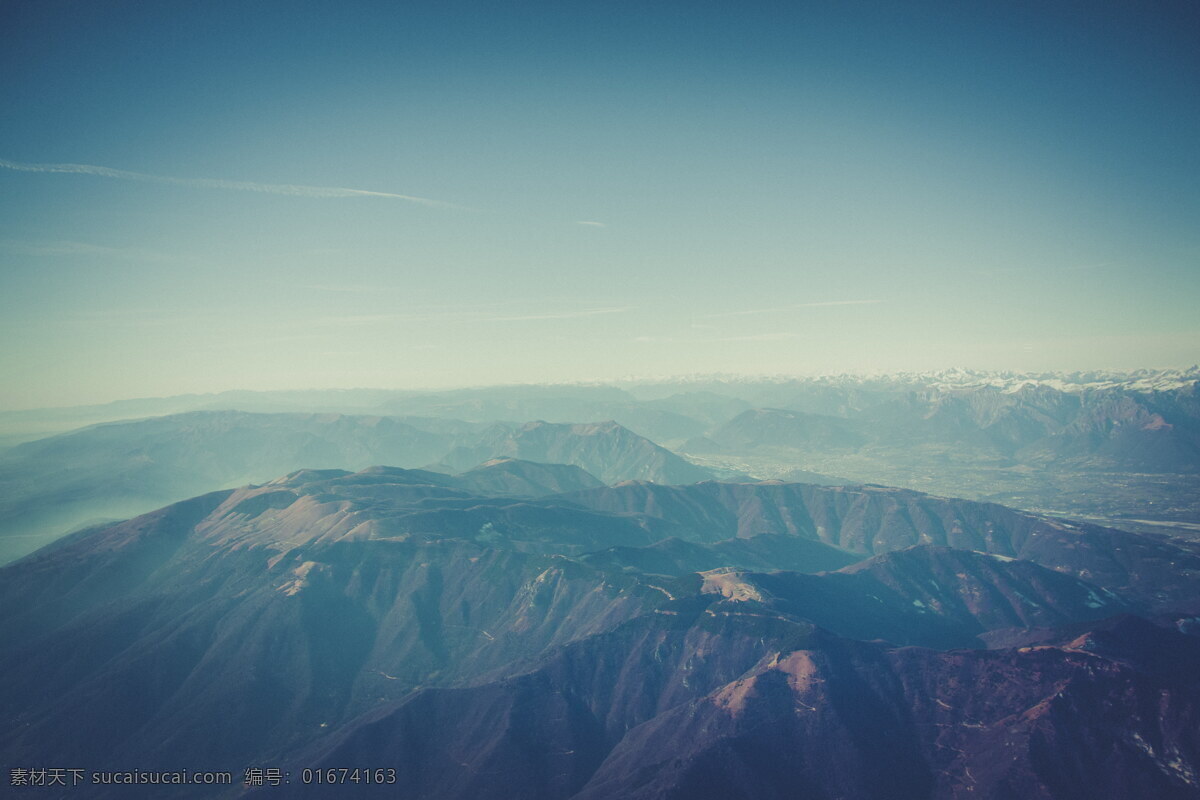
x,y
460,316
352,320
751,312
292,190
759,337
776,310
351,288
591,312
837,303
71,248
754,337
591,223
379,288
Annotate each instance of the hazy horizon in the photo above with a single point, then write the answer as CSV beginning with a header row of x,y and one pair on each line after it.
x,y
208,197
632,381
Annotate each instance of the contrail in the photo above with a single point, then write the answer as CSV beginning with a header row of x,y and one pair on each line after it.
x,y
210,183
822,304
837,303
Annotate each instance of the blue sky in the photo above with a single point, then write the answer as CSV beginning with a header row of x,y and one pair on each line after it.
x,y
621,189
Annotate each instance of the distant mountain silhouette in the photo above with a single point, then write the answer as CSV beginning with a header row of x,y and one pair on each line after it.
x,y
1102,429
605,449
117,470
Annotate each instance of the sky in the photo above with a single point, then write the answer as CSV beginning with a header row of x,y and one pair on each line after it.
x,y
203,196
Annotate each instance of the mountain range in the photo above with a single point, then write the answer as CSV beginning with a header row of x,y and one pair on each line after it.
x,y
646,606
1101,446
116,470
636,640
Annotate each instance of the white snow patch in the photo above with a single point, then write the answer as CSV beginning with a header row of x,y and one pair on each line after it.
x,y
1093,600
1026,599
